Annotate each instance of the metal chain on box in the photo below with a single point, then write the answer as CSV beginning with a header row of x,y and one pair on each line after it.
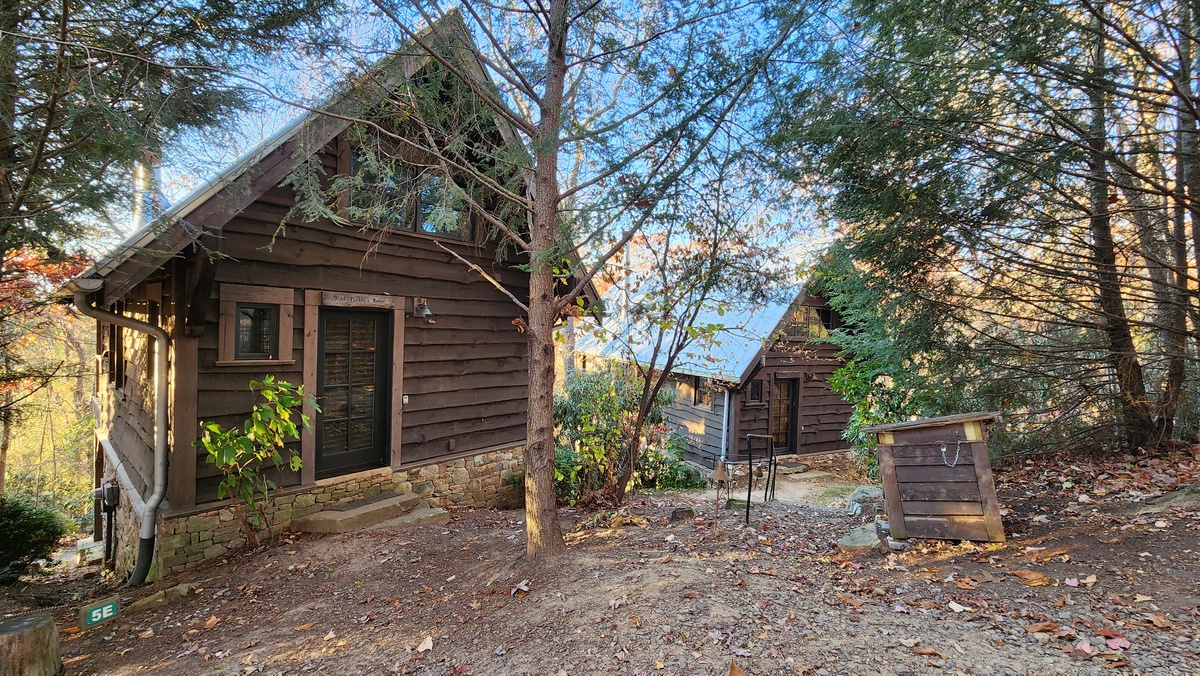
x,y
957,451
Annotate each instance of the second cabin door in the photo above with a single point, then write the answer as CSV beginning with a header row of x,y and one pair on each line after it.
x,y
784,414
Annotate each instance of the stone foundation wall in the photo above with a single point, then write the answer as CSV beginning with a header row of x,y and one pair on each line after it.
x,y
478,480
127,532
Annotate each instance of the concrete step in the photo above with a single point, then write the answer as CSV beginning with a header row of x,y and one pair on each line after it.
x,y
418,517
349,517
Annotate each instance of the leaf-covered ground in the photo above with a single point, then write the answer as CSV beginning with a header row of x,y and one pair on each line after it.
x,y
1086,584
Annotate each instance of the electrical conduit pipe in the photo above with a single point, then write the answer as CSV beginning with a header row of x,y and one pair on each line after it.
x,y
81,288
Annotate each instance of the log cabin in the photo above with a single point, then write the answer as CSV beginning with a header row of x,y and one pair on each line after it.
x,y
765,375
416,362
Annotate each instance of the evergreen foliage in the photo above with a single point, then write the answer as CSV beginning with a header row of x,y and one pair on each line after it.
x,y
27,533
1017,188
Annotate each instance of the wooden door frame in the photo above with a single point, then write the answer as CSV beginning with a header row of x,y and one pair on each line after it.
x,y
314,300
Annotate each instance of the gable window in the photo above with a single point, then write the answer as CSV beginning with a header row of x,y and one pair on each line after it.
x,y
808,321
256,325
388,193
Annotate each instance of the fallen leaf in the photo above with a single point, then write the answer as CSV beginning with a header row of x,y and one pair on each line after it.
x,y
665,559
735,670
1033,578
967,583
521,588
1084,649
330,636
1160,620
956,608
149,633
426,645
1071,582
850,601
1119,643
1089,581
921,650
1046,627
1141,598
211,622
306,626
910,642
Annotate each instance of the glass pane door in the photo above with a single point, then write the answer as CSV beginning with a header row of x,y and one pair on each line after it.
x,y
352,389
783,413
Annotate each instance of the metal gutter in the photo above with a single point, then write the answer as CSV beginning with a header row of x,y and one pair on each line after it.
x,y
82,288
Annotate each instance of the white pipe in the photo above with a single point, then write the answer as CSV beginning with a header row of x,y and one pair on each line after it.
x,y
81,289
725,425
115,460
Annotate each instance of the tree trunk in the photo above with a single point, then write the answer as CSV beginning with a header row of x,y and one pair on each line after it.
x,y
1176,318
1114,323
29,646
542,530
5,435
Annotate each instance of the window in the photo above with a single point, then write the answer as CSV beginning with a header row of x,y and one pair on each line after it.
x,y
701,395
390,194
756,391
116,350
809,322
256,325
257,331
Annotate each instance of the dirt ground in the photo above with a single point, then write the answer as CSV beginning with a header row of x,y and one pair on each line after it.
x,y
1086,584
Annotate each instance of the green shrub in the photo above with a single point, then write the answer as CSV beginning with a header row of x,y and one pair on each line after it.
x,y
27,533
661,465
595,415
242,455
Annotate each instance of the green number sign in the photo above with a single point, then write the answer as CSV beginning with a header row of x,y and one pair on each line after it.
x,y
99,612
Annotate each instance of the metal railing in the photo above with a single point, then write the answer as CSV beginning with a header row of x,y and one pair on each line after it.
x,y
769,485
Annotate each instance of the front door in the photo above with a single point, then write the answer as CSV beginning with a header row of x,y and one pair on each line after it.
x,y
353,370
783,414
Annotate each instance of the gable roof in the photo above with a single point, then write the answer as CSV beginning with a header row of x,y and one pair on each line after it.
x,y
746,336
731,356
207,208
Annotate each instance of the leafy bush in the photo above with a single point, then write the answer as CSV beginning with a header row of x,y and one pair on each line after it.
x,y
241,455
595,416
27,533
873,405
661,466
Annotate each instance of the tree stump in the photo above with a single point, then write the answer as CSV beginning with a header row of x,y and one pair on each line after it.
x,y
29,647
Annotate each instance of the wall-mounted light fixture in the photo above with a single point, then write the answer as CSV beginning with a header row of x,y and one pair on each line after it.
x,y
421,311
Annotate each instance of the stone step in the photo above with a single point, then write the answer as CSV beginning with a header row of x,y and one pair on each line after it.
x,y
350,517
418,517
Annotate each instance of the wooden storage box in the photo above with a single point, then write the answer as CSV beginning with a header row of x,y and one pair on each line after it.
x,y
937,478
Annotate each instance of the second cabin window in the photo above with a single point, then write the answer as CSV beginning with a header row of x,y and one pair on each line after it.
x,y
809,322
701,395
388,193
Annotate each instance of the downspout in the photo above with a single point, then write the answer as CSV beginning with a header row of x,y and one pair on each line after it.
x,y
81,288
725,425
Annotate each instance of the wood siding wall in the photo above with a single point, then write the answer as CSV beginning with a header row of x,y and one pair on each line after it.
x,y
465,375
127,403
701,425
823,414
